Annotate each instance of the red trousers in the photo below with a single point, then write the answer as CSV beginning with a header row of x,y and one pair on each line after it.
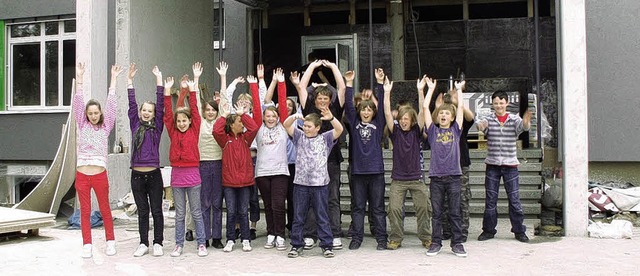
x,y
100,184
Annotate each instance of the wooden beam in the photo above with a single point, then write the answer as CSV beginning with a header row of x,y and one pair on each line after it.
x,y
465,9
307,16
396,16
530,8
352,12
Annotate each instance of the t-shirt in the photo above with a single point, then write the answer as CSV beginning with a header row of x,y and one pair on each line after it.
x,y
272,151
311,158
406,153
336,110
365,152
445,150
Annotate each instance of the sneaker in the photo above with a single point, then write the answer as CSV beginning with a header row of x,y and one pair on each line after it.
x,y
337,243
111,248
157,250
202,250
393,245
382,245
328,253
426,244
270,242
522,237
458,249
252,234
189,235
294,252
217,244
87,251
142,249
485,236
246,246
434,249
280,245
354,245
229,246
177,251
309,243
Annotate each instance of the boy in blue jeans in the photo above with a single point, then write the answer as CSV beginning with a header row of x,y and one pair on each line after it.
x,y
311,183
502,130
444,169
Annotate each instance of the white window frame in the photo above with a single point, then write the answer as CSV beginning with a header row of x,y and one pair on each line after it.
x,y
42,39
216,43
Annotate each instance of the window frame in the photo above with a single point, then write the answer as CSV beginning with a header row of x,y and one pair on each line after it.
x,y
216,43
42,40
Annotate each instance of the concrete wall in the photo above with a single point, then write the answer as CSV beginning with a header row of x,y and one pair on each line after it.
x,y
613,68
12,9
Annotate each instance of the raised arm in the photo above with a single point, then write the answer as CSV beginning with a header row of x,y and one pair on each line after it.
x,y
387,104
257,106
222,71
112,102
460,106
335,123
526,120
426,114
197,72
184,90
159,99
295,80
289,123
262,86
193,106
304,82
349,107
232,89
268,97
78,99
168,108
340,85
282,94
134,120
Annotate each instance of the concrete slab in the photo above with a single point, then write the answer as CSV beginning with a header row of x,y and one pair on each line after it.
x,y
15,220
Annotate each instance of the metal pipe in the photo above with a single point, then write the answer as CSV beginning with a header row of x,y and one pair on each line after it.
x,y
371,76
220,30
536,15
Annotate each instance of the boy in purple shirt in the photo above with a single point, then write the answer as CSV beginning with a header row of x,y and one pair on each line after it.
x,y
444,169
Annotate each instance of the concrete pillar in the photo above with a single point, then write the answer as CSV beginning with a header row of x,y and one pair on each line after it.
x,y
91,47
573,104
123,58
397,39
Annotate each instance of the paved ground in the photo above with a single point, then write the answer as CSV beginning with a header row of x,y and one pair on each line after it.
x,y
57,252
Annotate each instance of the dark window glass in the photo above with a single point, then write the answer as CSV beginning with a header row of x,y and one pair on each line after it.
x,y
51,28
51,73
70,26
26,74
216,25
68,69
379,16
25,30
498,10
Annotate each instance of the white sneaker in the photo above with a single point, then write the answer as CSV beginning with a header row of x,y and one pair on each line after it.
x,y
177,251
87,250
229,246
309,243
142,249
202,251
270,241
246,245
337,243
111,248
280,245
157,250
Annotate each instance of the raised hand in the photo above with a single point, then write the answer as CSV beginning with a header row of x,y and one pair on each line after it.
x,y
387,85
379,75
295,78
222,68
240,108
367,94
168,83
279,75
79,72
260,71
224,112
327,63
115,70
239,79
439,100
315,64
197,70
132,72
156,71
431,83
349,76
192,85
326,114
183,81
252,79
422,83
459,84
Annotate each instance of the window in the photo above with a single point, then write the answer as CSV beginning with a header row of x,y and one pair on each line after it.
x,y
216,26
41,64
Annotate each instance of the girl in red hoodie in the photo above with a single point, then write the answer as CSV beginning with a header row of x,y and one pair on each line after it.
x,y
237,168
184,130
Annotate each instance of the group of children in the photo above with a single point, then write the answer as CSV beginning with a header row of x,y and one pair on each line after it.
x,y
219,150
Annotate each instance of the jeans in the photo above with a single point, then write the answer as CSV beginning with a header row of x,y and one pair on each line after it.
x,y
465,197
316,197
368,187
333,205
421,204
147,193
180,195
273,190
511,185
211,198
448,186
292,176
237,200
254,202
100,185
